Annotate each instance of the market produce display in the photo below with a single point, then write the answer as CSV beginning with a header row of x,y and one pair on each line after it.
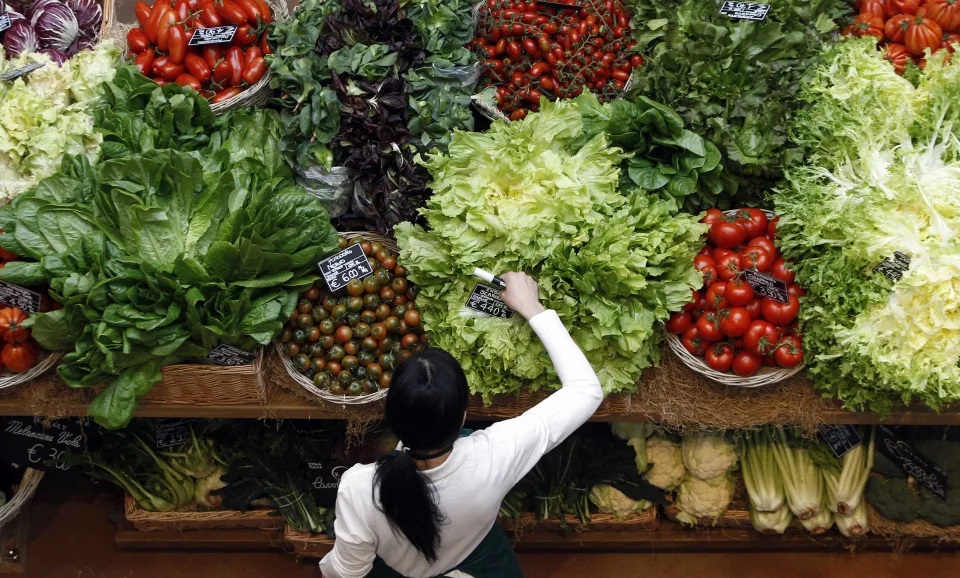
x,y
160,45
349,342
196,250
51,27
734,81
48,114
908,29
532,50
541,195
877,336
727,323
366,86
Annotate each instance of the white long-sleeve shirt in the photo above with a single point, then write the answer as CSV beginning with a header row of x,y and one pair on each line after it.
x,y
472,482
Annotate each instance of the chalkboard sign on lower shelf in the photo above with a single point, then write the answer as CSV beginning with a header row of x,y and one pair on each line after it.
x,y
32,442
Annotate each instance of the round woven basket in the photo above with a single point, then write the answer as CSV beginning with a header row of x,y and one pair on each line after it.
x,y
25,491
256,95
765,376
48,359
307,384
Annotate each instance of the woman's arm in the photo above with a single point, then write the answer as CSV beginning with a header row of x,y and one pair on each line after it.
x,y
518,443
356,545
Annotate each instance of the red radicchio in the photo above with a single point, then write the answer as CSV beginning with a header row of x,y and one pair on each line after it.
x,y
20,38
89,15
56,27
36,8
55,55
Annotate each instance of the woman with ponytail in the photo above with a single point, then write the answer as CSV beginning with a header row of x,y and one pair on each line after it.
x,y
429,509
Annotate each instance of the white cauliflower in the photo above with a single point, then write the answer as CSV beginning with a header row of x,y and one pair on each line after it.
x,y
708,455
610,500
699,499
635,434
667,469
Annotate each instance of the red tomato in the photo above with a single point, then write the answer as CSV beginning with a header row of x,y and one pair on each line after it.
x,y
772,227
796,290
708,327
780,271
254,71
735,322
719,356
144,61
226,93
197,67
11,325
761,338
874,7
922,33
867,25
177,41
755,308
906,6
746,364
766,244
752,221
251,9
726,234
265,11
231,12
739,293
137,40
946,13
513,50
182,10
166,21
729,266
895,29
694,299
715,295
679,322
212,55
188,80
781,313
245,36
789,353
222,74
720,253
712,216
251,54
209,16
235,58
143,13
19,357
701,261
691,341
758,258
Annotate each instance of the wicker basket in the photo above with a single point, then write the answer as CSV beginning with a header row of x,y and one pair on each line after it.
x,y
146,521
25,491
198,384
306,544
765,376
48,359
305,383
736,516
108,20
646,521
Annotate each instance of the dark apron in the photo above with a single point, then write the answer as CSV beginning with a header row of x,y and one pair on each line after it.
x,y
492,558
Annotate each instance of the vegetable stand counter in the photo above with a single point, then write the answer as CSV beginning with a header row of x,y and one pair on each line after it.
x,y
792,402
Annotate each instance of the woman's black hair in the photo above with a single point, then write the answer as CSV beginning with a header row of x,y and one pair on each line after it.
x,y
425,407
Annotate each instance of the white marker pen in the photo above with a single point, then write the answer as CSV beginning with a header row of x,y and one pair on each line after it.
x,y
489,277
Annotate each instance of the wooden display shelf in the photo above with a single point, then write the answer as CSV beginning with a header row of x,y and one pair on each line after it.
x,y
128,538
13,544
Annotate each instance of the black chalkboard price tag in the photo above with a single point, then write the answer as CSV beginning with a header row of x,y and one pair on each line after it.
x,y
18,72
745,10
224,354
894,267
840,438
31,442
927,473
326,481
19,297
218,35
171,433
486,300
767,285
4,22
345,266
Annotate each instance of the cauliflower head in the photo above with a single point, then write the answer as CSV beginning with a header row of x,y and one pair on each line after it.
x,y
635,434
610,500
667,469
698,498
708,455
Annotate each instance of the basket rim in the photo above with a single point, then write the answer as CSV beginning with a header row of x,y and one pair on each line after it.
x,y
27,488
322,394
132,511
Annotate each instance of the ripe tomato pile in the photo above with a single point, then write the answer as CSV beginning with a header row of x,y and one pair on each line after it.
x,y
531,50
349,342
726,323
218,71
908,27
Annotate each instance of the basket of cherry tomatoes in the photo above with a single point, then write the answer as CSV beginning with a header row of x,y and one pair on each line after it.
x,y
532,49
230,74
730,332
343,346
908,28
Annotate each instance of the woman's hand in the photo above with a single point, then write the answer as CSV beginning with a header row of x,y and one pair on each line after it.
x,y
522,294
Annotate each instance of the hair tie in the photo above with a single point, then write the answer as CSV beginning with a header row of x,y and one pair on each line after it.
x,y
424,457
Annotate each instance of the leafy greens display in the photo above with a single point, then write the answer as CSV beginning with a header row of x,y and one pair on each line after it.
x,y
854,203
533,196
160,254
734,81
